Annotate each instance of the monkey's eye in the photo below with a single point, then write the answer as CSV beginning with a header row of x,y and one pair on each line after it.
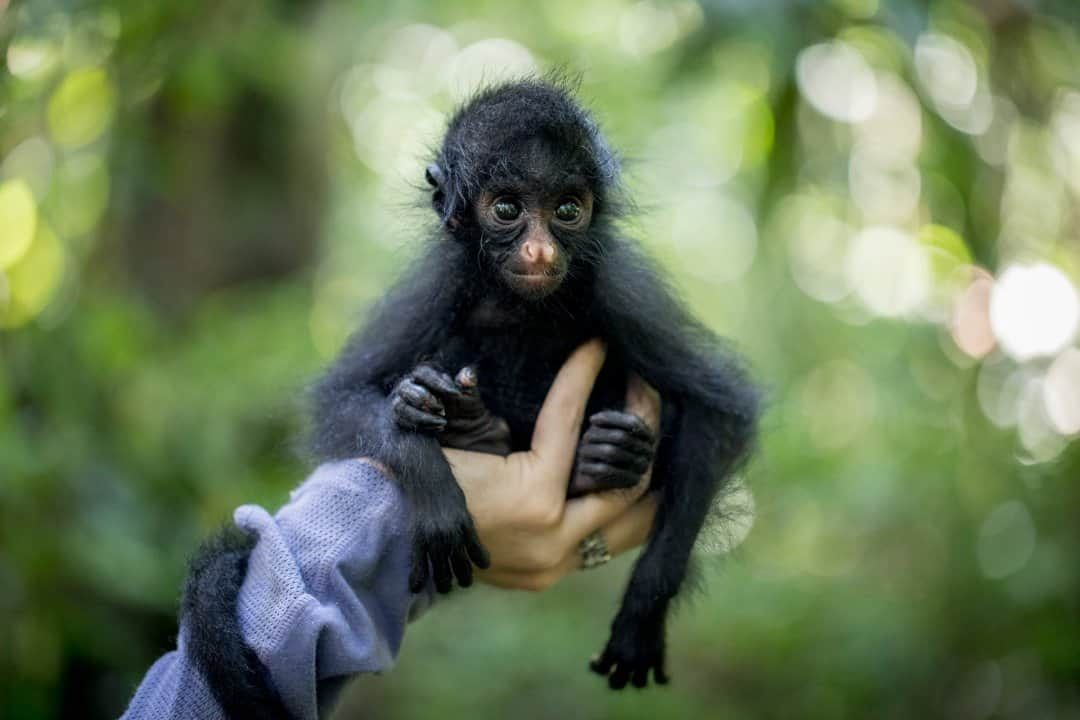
x,y
506,210
568,211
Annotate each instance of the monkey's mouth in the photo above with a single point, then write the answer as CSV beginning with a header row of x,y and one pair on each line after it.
x,y
533,285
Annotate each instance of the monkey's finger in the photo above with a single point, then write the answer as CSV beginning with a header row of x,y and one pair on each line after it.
x,y
609,436
412,418
595,477
640,677
467,403
643,400
475,549
660,675
555,436
419,397
615,456
418,576
466,378
459,561
440,567
439,383
627,422
470,404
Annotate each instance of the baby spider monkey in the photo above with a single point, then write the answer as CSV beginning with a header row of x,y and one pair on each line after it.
x,y
526,266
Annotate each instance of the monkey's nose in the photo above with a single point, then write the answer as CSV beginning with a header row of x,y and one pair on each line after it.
x,y
540,255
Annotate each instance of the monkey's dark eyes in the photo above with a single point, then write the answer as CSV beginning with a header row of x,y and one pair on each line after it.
x,y
568,211
506,210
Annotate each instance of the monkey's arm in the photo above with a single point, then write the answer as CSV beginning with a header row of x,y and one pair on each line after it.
x,y
350,403
670,349
360,402
717,408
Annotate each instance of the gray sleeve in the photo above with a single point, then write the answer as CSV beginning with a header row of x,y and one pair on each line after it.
x,y
324,596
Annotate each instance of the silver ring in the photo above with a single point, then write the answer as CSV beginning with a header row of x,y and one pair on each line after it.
x,y
594,551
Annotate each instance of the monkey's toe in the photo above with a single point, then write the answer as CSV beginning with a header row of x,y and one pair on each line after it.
x,y
633,671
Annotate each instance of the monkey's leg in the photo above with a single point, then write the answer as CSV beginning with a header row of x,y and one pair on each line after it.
x,y
699,456
636,644
614,452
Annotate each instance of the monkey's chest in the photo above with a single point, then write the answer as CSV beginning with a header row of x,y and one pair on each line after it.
x,y
515,375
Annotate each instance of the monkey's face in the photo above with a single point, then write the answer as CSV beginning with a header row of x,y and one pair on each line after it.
x,y
529,238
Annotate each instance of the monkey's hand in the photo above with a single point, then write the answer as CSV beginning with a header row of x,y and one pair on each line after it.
x,y
414,406
469,424
444,542
615,452
454,407
636,647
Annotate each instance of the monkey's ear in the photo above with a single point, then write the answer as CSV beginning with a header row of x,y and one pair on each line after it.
x,y
435,176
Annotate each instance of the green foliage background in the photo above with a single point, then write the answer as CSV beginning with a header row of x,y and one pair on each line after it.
x,y
199,199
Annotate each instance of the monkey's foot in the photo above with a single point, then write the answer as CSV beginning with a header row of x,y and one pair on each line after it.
x,y
634,649
615,452
445,546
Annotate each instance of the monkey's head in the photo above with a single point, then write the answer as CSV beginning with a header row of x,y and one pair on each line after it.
x,y
524,177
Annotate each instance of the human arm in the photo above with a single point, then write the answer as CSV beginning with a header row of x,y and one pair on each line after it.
x,y
322,596
280,614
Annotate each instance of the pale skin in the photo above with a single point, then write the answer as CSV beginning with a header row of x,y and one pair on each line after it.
x,y
519,504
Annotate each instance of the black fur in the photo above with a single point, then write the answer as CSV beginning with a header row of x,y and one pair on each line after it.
x,y
237,679
452,309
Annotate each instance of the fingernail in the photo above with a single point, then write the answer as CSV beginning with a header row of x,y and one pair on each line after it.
x,y
467,377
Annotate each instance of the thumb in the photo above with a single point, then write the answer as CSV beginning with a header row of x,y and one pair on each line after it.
x,y
468,404
643,400
558,427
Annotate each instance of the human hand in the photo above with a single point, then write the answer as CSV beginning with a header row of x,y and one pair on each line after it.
x,y
519,501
